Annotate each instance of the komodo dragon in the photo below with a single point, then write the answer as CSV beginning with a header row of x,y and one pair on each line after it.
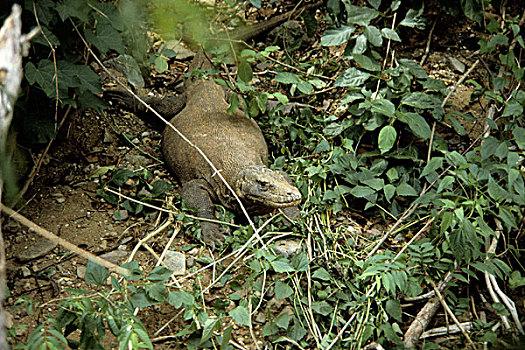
x,y
233,143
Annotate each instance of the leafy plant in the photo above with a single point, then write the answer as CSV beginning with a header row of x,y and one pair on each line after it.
x,y
380,152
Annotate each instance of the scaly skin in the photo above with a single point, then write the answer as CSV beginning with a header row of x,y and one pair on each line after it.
x,y
233,143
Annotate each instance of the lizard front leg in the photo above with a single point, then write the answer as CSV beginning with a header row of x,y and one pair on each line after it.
x,y
197,195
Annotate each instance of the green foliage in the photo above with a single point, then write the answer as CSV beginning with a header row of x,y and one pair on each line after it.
x,y
61,72
378,153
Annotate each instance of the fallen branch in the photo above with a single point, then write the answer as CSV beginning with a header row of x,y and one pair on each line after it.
x,y
65,244
446,330
420,323
425,315
450,313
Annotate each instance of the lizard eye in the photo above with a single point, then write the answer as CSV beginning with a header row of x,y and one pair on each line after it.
x,y
264,185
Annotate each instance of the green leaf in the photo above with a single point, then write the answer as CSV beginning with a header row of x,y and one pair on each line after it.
x,y
361,191
134,270
456,124
413,19
360,15
234,103
390,34
226,337
106,38
406,190
270,328
159,273
323,146
393,307
179,298
387,138
174,300
498,39
281,265
140,298
156,292
472,10
416,123
322,308
286,78
332,130
44,76
373,35
505,214
366,62
434,164
497,192
519,136
383,106
78,9
209,326
297,332
513,108
351,97
516,280
280,97
96,274
389,190
160,187
240,315
352,77
282,290
256,3
337,36
245,72
300,262
446,183
322,274
120,176
161,64
283,320
414,68
421,100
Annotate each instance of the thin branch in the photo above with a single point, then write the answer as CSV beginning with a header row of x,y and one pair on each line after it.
x,y
450,313
427,48
65,244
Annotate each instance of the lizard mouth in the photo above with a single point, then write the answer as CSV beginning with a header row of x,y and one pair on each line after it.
x,y
275,201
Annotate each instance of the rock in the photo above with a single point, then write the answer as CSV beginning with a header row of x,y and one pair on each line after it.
x,y
175,261
108,138
456,64
287,248
261,317
274,304
125,240
115,256
11,226
137,160
194,251
25,271
120,214
81,272
36,249
181,52
8,320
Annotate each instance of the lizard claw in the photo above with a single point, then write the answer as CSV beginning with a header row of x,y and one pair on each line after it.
x,y
212,234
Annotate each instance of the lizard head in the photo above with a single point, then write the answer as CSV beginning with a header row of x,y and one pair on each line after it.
x,y
264,189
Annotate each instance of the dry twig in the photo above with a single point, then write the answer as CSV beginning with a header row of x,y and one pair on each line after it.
x,y
67,245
